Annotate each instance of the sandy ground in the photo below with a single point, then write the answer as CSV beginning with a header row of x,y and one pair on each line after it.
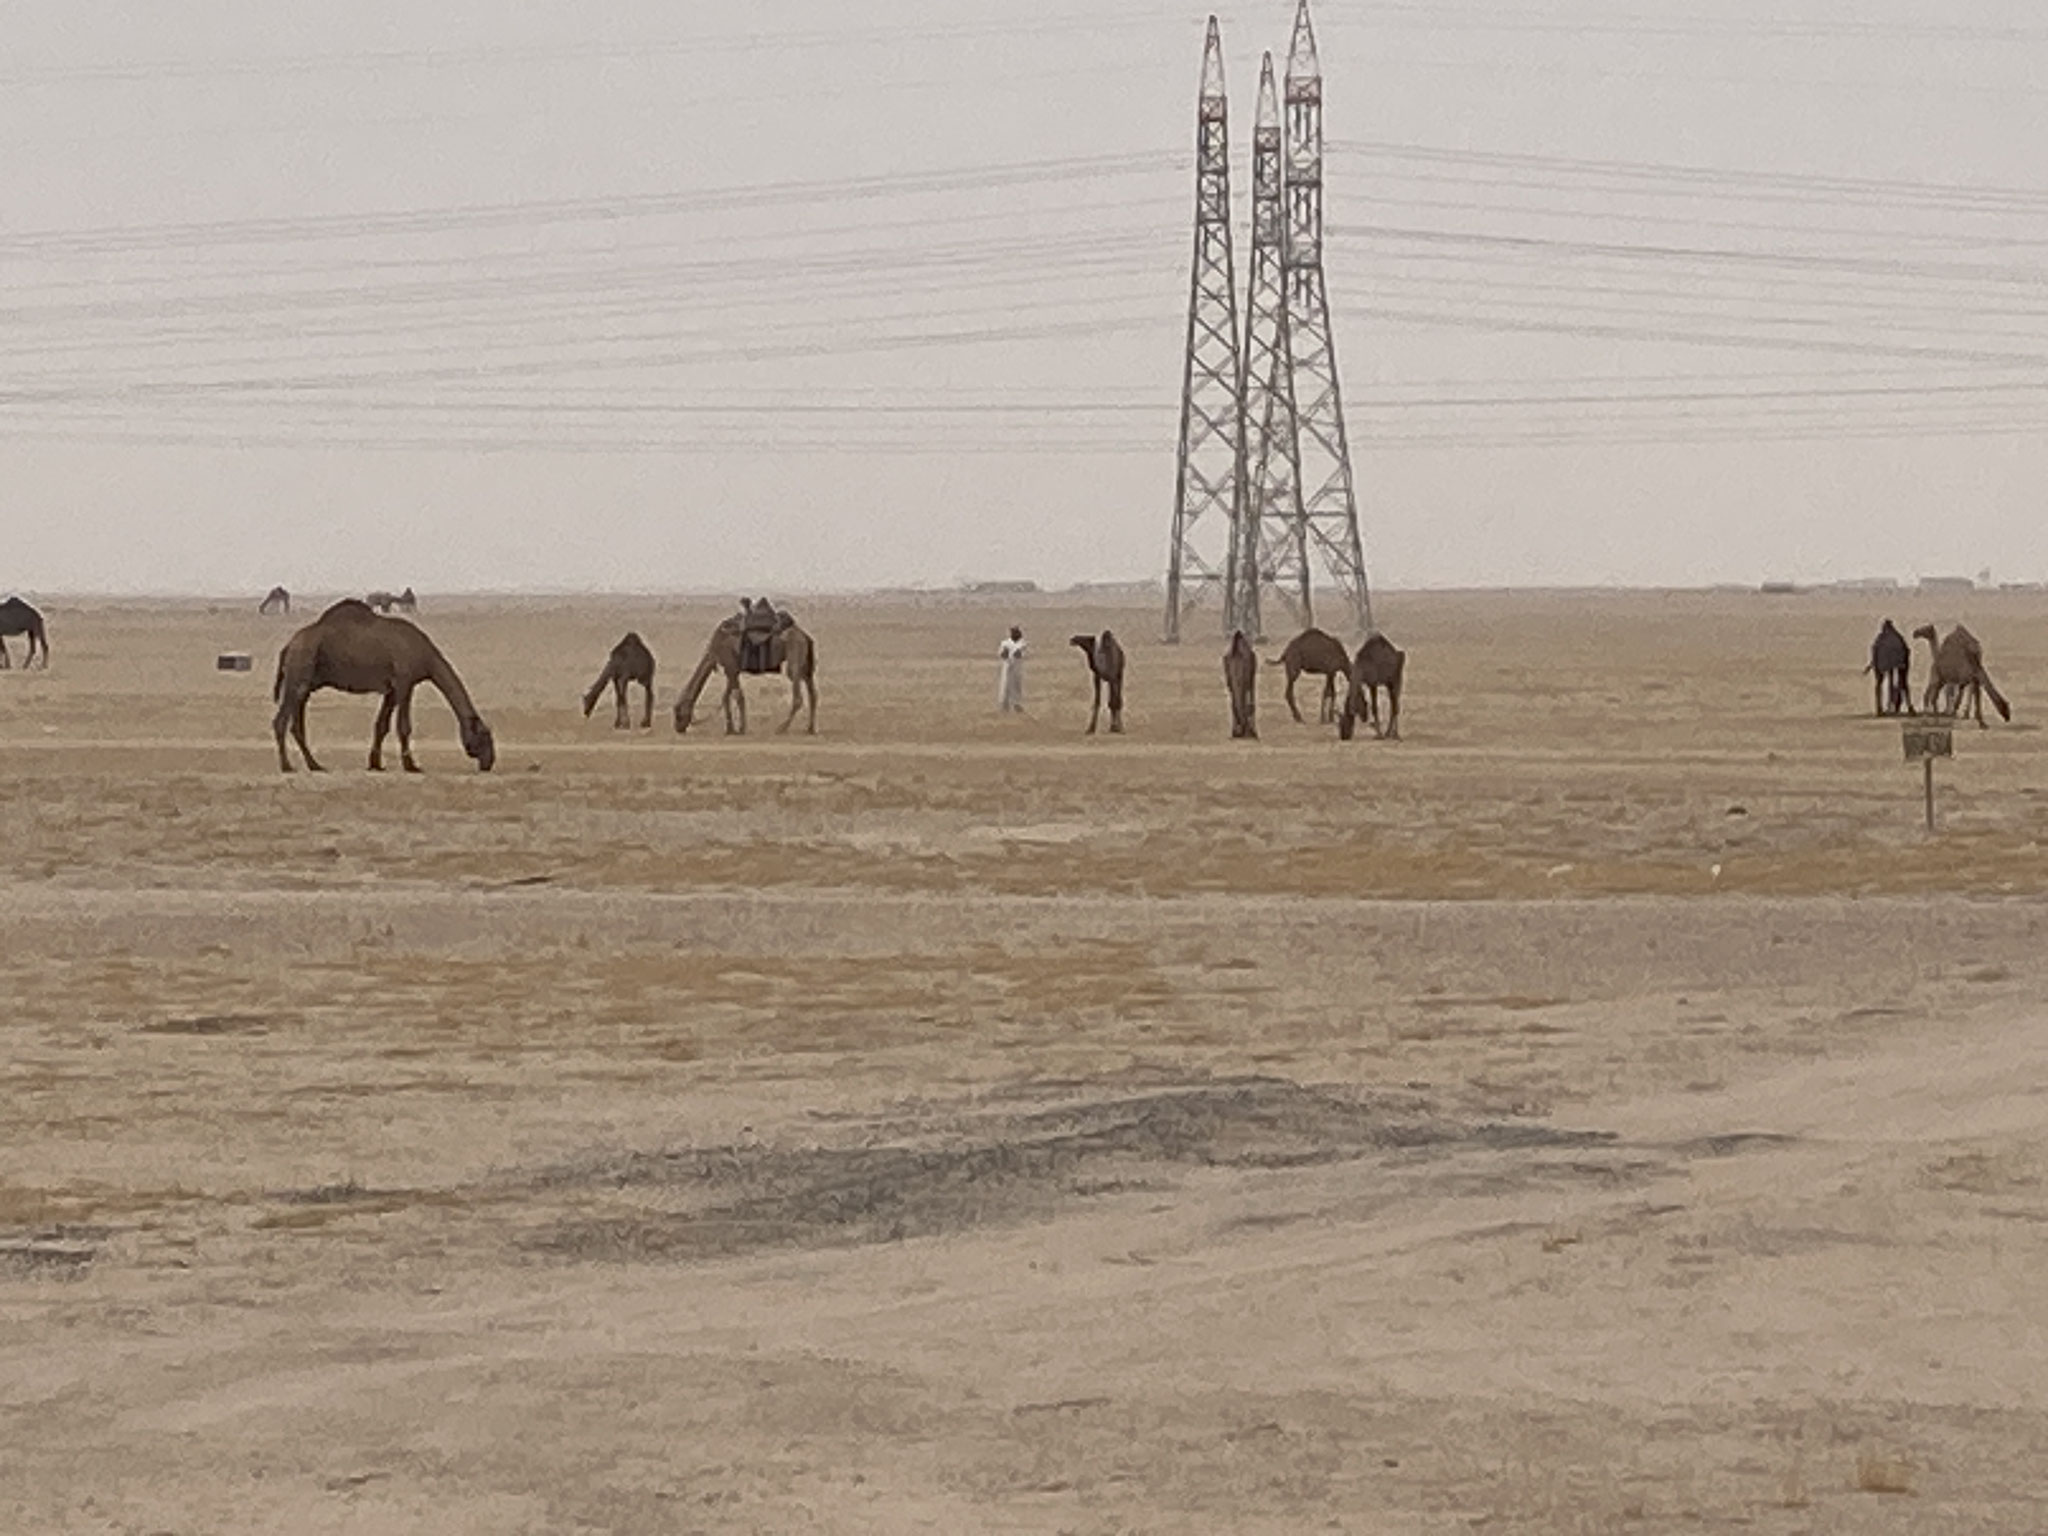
x,y
1603,1110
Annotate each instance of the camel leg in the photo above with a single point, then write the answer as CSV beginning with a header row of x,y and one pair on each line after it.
x,y
299,734
1329,709
384,713
405,732
1116,706
647,716
811,697
1292,708
6,661
1095,714
621,717
279,724
1393,730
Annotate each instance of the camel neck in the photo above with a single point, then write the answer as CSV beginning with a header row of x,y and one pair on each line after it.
x,y
443,677
695,686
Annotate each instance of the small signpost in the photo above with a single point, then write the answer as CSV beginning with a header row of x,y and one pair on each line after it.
x,y
1927,737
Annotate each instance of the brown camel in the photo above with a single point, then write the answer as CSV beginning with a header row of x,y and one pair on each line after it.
x,y
1378,664
277,601
629,662
384,602
18,618
1241,677
1314,651
790,651
1106,664
356,651
1957,679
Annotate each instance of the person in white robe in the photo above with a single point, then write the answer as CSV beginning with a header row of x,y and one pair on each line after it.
x,y
1010,674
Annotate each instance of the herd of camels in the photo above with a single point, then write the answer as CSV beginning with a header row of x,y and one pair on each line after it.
x,y
357,646
354,647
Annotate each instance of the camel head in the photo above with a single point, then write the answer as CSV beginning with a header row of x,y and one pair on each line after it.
x,y
478,743
1084,643
1926,632
682,713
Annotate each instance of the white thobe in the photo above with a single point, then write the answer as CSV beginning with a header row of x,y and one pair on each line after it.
x,y
1010,677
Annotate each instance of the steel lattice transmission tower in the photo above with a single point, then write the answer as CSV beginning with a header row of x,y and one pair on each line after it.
x,y
1270,550
1210,492
1329,504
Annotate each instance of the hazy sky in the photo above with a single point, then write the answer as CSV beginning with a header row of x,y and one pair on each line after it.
x,y
799,294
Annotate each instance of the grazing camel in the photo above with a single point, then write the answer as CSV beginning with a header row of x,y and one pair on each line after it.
x,y
1241,677
1957,677
384,602
356,651
18,618
1891,660
1314,651
1106,665
629,662
790,651
277,601
1378,664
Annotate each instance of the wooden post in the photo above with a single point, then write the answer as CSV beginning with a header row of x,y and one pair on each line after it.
x,y
1926,738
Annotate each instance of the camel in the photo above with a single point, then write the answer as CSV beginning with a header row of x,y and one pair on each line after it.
x,y
1106,665
384,602
1241,677
18,618
1378,664
1957,677
790,651
355,650
1891,661
277,601
1314,651
629,662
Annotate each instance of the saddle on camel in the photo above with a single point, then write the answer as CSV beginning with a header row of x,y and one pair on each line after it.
x,y
757,624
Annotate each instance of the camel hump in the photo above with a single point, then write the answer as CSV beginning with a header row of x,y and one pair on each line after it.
x,y
349,608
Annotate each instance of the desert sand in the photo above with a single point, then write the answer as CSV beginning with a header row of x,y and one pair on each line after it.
x,y
1603,1110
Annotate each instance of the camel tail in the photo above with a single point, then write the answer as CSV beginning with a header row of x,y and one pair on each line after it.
x,y
1997,699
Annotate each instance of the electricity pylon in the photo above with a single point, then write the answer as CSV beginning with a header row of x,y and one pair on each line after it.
x,y
1209,495
1270,552
1329,503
